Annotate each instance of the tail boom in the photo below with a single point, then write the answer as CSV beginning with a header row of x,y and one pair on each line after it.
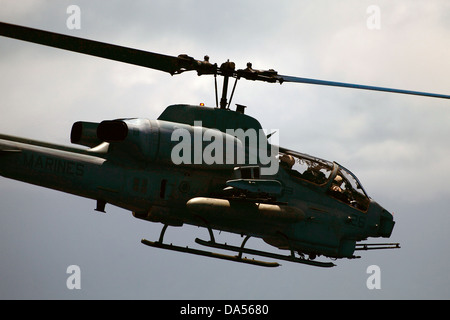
x,y
56,167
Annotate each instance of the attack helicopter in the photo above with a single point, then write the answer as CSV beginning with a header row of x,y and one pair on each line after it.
x,y
160,169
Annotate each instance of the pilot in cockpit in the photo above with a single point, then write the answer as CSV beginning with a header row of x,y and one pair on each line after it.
x,y
287,161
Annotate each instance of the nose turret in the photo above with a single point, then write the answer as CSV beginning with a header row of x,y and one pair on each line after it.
x,y
385,220
386,224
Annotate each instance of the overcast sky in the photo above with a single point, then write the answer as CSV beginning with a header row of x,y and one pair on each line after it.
x,y
397,145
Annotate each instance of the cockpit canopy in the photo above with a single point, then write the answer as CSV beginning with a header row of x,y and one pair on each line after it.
x,y
347,188
340,183
307,168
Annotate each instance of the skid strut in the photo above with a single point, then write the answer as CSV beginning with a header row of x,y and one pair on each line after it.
x,y
239,250
208,254
238,258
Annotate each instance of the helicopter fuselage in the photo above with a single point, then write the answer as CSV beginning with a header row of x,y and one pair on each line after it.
x,y
297,208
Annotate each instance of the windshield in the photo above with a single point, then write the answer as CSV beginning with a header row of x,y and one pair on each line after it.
x,y
347,188
306,167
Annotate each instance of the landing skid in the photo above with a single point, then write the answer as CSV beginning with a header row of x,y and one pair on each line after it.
x,y
239,250
376,246
160,245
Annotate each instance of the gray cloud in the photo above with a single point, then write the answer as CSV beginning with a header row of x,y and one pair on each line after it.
x,y
397,145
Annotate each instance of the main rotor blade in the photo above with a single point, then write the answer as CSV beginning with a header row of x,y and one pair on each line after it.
x,y
151,60
170,64
358,86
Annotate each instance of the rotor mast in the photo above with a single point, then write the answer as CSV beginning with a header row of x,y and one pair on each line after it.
x,y
227,71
